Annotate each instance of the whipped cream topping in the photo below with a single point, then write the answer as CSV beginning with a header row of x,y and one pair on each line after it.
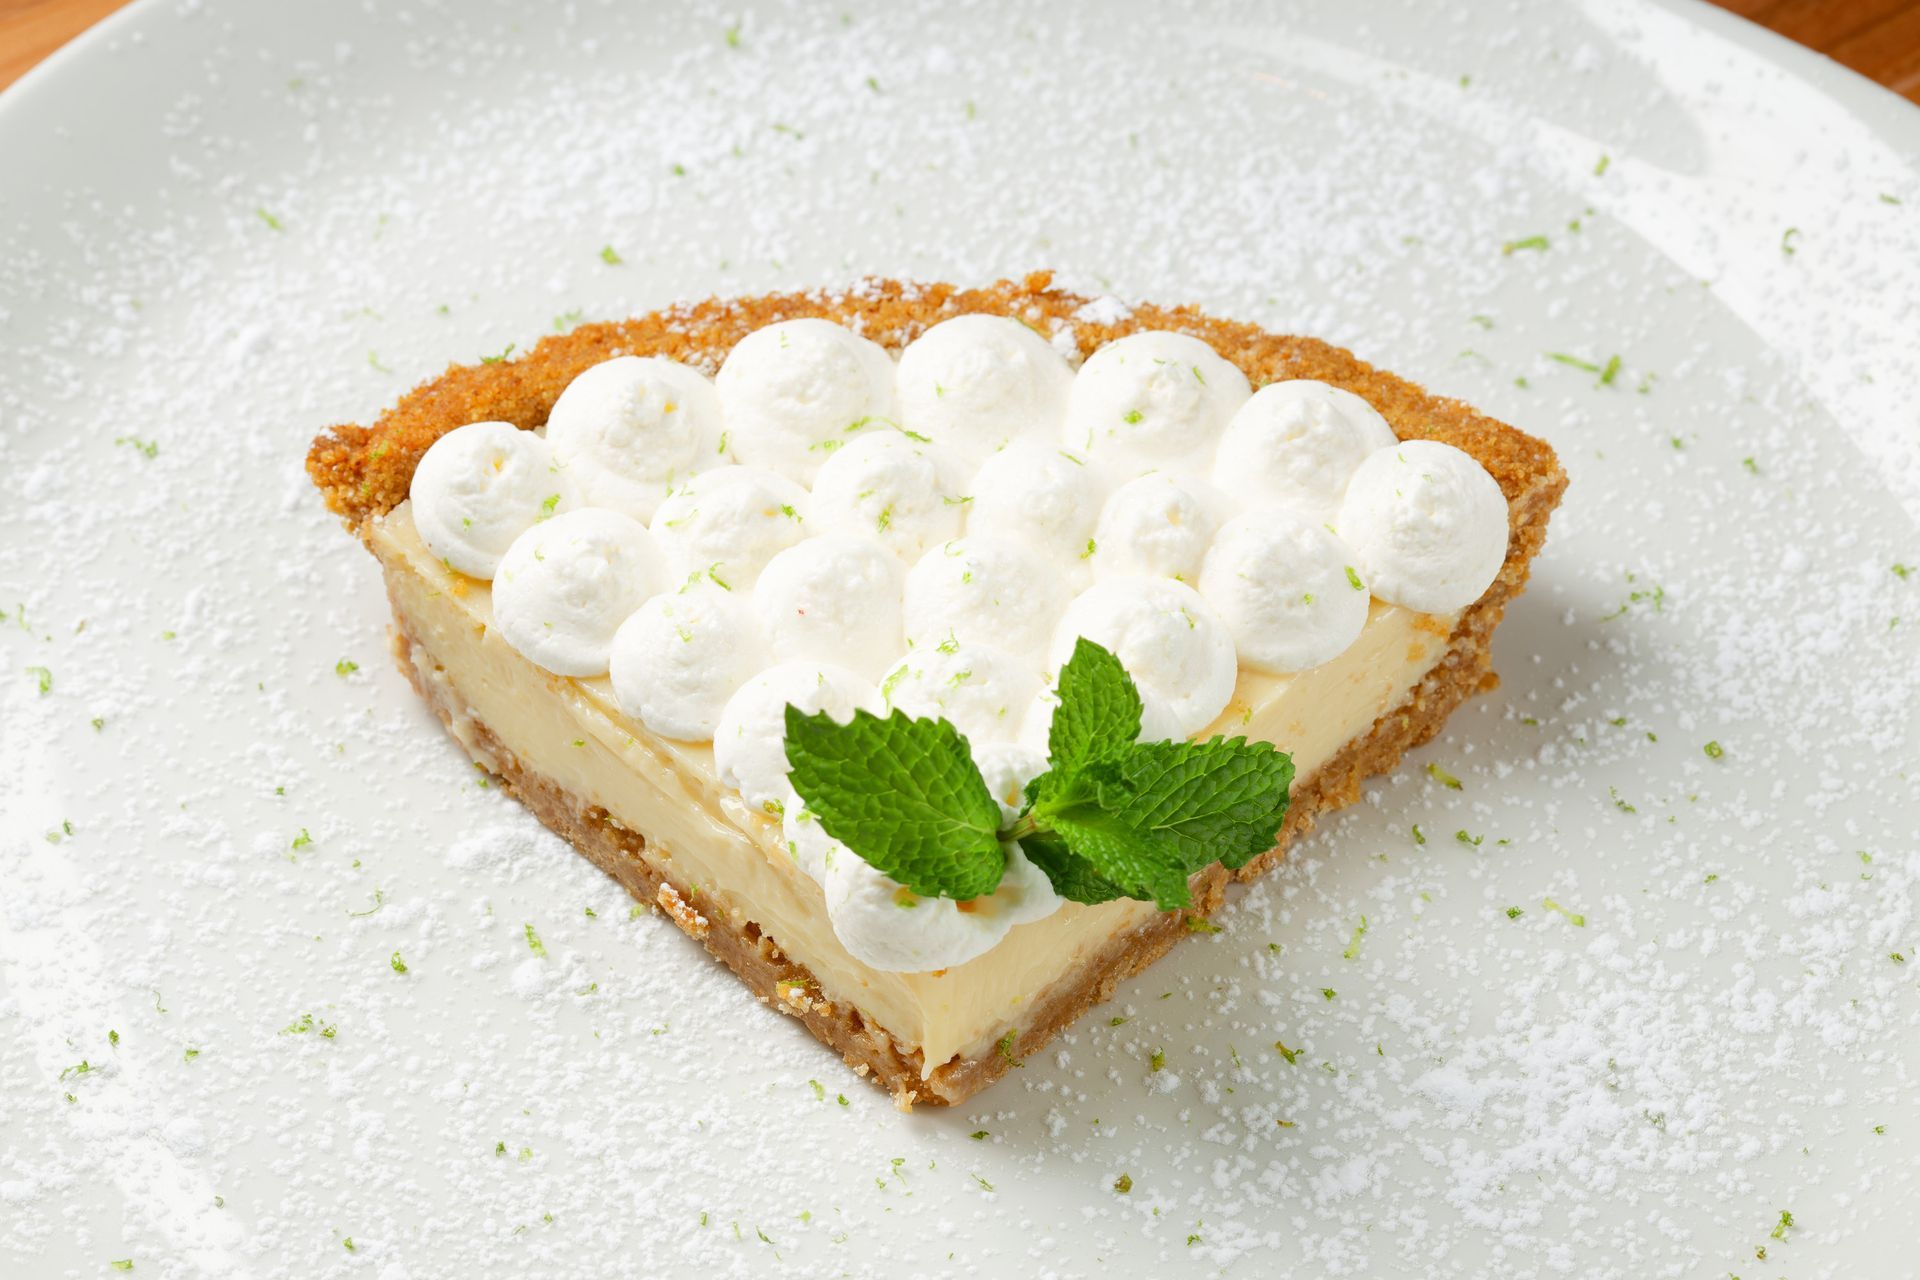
x,y
795,391
1037,494
478,488
833,598
1428,524
915,538
1155,527
1173,644
626,430
886,926
681,655
986,590
1286,589
1298,443
728,522
888,487
982,691
565,586
1153,400
974,384
750,740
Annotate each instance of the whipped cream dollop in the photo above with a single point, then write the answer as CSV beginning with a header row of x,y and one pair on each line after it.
x,y
750,740
1286,588
833,598
984,590
1037,494
1177,649
1154,400
729,522
890,488
890,928
681,655
1298,442
812,849
565,586
795,391
973,384
1155,527
628,429
1428,524
479,487
982,691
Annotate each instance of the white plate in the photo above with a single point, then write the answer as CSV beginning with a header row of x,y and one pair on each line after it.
x,y
225,226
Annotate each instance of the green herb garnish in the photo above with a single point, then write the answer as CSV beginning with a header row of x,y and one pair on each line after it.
x,y
1112,817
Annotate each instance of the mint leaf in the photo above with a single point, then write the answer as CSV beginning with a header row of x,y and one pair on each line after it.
x,y
1221,800
1139,863
903,794
1099,708
1073,877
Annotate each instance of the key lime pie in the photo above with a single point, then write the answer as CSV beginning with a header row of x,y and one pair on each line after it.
x,y
793,613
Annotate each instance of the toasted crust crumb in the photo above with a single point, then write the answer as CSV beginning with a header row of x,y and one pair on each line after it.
x,y
691,922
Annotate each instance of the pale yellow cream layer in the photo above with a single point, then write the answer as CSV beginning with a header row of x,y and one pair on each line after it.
x,y
735,859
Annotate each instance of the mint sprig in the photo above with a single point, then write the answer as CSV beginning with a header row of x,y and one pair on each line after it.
x,y
1112,817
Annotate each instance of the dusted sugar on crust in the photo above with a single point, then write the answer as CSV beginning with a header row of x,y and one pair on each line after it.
x,y
365,471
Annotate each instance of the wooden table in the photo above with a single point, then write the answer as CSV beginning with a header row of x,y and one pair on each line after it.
x,y
1878,38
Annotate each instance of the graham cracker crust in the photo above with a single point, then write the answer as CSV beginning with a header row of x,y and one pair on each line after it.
x,y
364,472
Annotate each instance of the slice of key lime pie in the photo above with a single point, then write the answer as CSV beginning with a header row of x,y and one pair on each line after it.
x,y
924,652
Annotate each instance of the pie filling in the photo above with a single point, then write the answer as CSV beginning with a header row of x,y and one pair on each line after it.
x,y
734,860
